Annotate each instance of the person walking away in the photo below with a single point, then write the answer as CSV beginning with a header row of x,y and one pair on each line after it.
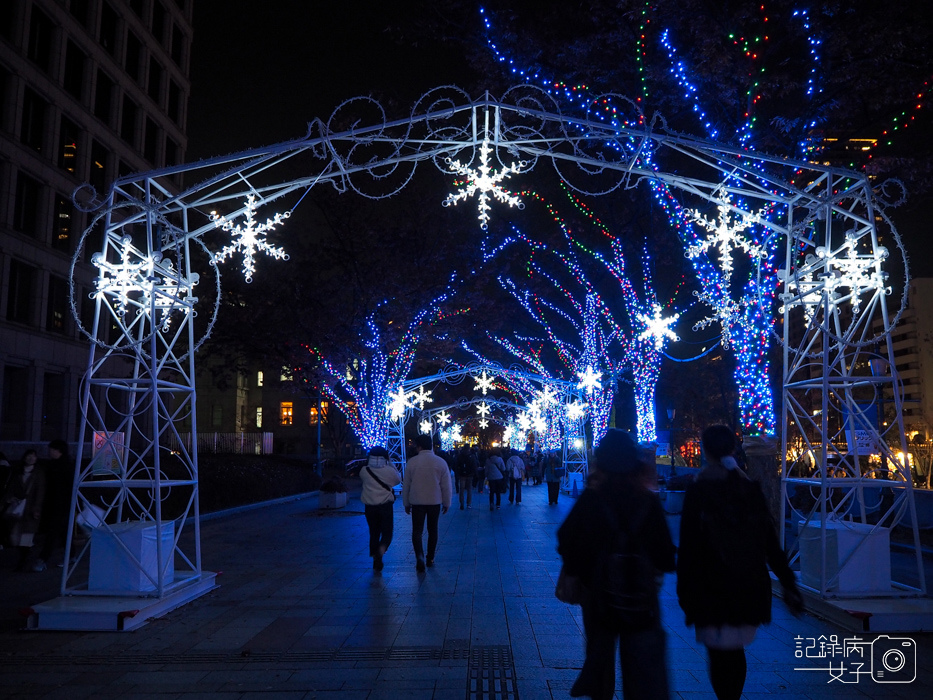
x,y
378,477
21,507
515,468
618,520
538,467
466,472
480,472
495,475
553,471
727,542
425,495
56,508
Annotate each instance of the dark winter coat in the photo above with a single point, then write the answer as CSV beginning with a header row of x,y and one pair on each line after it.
x,y
727,543
585,536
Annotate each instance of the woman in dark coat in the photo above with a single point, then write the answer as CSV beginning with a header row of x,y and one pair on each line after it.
x,y
25,489
618,502
727,543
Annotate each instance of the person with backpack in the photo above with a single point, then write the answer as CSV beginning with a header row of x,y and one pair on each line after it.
x,y
727,542
515,468
615,544
467,464
379,477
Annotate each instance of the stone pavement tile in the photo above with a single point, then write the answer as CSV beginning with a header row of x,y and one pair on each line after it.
x,y
37,677
274,695
337,695
281,633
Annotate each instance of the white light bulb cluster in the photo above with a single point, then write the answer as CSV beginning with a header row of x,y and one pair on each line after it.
x,y
484,383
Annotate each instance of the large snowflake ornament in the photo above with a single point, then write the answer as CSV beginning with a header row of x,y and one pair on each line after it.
x,y
425,427
829,273
575,410
658,327
249,238
483,409
483,423
443,418
484,181
726,312
725,234
420,397
484,383
590,380
398,403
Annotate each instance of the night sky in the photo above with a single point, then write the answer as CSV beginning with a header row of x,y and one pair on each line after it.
x,y
261,72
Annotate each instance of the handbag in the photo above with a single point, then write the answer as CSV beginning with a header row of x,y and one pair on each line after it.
x,y
559,472
569,588
15,510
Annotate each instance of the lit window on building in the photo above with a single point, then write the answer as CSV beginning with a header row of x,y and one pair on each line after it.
x,y
259,379
259,416
286,413
313,418
286,375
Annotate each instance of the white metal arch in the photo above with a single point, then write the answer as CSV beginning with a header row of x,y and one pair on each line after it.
x,y
139,386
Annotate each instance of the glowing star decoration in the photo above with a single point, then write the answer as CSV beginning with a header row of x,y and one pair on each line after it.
x,y
483,423
484,383
420,397
443,418
657,327
590,381
425,427
725,235
481,180
398,403
575,410
250,238
483,409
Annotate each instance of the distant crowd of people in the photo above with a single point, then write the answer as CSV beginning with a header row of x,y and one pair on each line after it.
x,y
35,504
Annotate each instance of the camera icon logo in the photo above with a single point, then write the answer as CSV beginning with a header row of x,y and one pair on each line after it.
x,y
893,659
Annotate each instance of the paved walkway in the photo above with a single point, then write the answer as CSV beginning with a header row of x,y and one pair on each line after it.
x,y
300,614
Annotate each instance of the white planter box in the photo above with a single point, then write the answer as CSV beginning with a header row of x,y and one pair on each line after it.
x,y
112,566
332,500
857,559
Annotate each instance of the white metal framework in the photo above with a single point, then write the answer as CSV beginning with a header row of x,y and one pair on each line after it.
x,y
139,388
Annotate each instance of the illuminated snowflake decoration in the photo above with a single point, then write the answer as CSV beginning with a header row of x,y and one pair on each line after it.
x,y
484,383
483,409
657,327
425,427
483,423
508,433
249,238
523,422
443,418
546,397
725,235
575,410
726,312
398,403
483,181
590,381
142,282
828,274
420,397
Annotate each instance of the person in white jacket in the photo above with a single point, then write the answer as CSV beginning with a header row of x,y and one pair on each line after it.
x,y
425,495
379,476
